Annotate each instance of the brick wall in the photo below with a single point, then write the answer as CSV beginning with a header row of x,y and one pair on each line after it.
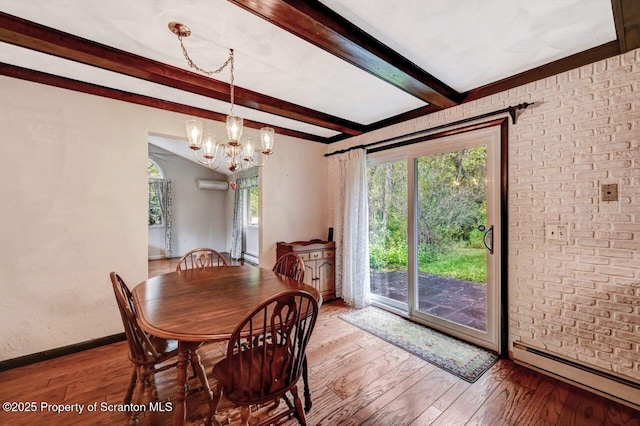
x,y
577,296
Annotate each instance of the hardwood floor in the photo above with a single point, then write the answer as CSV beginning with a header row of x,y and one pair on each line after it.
x,y
355,378
162,266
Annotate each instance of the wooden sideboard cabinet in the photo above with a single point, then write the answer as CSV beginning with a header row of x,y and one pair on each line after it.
x,y
319,263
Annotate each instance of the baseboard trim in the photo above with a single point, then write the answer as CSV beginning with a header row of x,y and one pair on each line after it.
x,y
58,352
605,384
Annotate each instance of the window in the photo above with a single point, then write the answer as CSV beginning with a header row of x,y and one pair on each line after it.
x,y
388,238
253,209
155,211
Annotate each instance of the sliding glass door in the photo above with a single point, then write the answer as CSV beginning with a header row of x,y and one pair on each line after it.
x,y
388,241
453,237
434,215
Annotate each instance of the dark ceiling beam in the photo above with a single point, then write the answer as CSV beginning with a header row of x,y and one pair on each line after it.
x,y
106,92
626,14
595,54
405,116
409,115
31,35
322,27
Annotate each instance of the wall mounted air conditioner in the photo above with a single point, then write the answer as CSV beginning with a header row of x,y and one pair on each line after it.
x,y
215,185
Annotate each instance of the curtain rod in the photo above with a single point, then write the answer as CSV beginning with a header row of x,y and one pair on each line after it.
x,y
511,110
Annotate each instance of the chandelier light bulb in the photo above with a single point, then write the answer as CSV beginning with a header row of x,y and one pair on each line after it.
x,y
209,147
194,134
248,151
234,129
267,137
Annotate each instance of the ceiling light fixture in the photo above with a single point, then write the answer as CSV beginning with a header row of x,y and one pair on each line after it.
x,y
238,155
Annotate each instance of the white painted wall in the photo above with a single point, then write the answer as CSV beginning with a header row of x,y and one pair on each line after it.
x,y
199,216
293,195
74,208
73,185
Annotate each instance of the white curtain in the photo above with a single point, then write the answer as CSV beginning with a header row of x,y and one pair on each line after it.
x,y
352,228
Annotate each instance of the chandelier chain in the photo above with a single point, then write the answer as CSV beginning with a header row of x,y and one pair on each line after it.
x,y
202,70
228,62
231,78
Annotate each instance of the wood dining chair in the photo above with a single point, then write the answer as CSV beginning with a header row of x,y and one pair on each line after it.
x,y
265,356
291,265
201,258
148,354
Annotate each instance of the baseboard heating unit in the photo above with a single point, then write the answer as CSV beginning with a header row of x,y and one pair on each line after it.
x,y
602,383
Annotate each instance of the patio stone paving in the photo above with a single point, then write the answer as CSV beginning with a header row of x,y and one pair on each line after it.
x,y
463,302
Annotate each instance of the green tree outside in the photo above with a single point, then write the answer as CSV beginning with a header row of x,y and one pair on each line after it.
x,y
451,203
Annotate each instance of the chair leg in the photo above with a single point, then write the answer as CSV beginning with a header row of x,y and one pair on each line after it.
x,y
213,405
132,385
141,387
138,393
151,381
275,404
299,412
245,412
307,391
198,369
286,400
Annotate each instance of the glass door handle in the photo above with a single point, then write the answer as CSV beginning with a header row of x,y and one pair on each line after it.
x,y
487,238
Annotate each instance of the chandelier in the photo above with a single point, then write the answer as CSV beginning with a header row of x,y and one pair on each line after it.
x,y
213,154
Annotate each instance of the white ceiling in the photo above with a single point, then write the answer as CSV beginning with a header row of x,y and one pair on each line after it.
x,y
470,43
464,43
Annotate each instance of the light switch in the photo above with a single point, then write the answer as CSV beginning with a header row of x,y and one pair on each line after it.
x,y
609,192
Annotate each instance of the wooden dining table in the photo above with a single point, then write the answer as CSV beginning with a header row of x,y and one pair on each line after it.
x,y
205,305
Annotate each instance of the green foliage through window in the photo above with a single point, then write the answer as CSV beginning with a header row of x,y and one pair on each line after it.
x,y
451,204
155,212
387,188
253,211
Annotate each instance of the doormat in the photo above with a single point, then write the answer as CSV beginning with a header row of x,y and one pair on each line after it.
x,y
463,359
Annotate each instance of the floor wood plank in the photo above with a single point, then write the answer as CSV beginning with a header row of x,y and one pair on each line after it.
x,y
405,377
547,402
465,406
409,405
355,379
351,408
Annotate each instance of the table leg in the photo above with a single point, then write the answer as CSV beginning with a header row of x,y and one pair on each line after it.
x,y
179,408
188,354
